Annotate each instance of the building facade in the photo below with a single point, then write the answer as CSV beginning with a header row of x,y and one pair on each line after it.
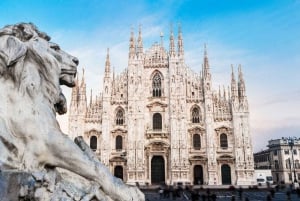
x,y
283,159
262,160
160,122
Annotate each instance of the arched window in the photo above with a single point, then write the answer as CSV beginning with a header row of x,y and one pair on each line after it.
x,y
120,117
157,121
196,115
119,143
156,85
93,143
223,141
196,141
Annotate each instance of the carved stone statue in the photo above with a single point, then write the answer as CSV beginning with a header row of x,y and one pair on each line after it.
x,y
31,71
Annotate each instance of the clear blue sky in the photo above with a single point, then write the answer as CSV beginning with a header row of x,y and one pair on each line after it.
x,y
262,36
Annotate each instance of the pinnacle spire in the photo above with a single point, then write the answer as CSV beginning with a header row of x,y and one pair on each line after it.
x,y
107,64
172,45
82,78
131,44
140,41
180,41
241,83
233,84
91,98
161,39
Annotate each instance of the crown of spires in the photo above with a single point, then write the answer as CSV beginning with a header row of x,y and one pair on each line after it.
x,y
180,41
107,64
172,44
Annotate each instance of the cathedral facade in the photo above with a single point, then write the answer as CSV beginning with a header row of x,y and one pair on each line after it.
x,y
160,122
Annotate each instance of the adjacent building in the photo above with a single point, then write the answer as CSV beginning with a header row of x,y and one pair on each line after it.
x,y
282,157
160,122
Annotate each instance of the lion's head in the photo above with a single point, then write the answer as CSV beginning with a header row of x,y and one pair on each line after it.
x,y
34,64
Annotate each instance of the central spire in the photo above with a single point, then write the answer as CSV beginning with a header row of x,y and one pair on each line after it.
x,y
206,63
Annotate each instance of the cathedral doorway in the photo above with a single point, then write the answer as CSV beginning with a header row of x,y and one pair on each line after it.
x,y
198,174
226,174
118,172
157,170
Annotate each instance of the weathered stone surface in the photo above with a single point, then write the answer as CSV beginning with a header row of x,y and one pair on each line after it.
x,y
19,186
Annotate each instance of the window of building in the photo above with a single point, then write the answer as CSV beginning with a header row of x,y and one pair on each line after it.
x,y
275,152
223,141
157,121
119,143
297,164
290,176
156,85
276,164
295,151
196,141
286,152
93,143
120,117
288,163
196,115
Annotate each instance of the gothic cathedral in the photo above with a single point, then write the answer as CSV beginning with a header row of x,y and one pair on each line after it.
x,y
160,122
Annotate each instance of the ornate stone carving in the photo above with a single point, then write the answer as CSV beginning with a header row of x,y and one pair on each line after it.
x,y
31,71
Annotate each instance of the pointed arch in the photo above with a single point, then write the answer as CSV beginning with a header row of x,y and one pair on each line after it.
x,y
196,114
120,116
157,82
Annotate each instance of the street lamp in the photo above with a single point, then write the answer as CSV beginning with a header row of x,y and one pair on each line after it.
x,y
291,143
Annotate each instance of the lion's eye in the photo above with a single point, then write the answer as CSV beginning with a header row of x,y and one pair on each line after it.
x,y
54,46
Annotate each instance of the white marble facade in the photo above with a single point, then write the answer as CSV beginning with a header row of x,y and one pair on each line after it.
x,y
160,122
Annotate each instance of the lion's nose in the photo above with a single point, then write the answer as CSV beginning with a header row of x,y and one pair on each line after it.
x,y
75,60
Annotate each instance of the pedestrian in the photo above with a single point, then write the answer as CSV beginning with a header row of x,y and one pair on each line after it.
x,y
246,199
288,195
160,191
272,191
203,197
269,198
232,198
213,197
240,192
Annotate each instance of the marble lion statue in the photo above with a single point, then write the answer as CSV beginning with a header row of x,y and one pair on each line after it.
x,y
31,71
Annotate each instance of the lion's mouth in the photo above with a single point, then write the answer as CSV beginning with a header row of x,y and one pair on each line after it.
x,y
67,77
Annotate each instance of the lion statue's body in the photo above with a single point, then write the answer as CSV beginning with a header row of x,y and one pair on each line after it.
x,y
31,71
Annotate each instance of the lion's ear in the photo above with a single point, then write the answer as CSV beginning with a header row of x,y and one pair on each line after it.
x,y
11,50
